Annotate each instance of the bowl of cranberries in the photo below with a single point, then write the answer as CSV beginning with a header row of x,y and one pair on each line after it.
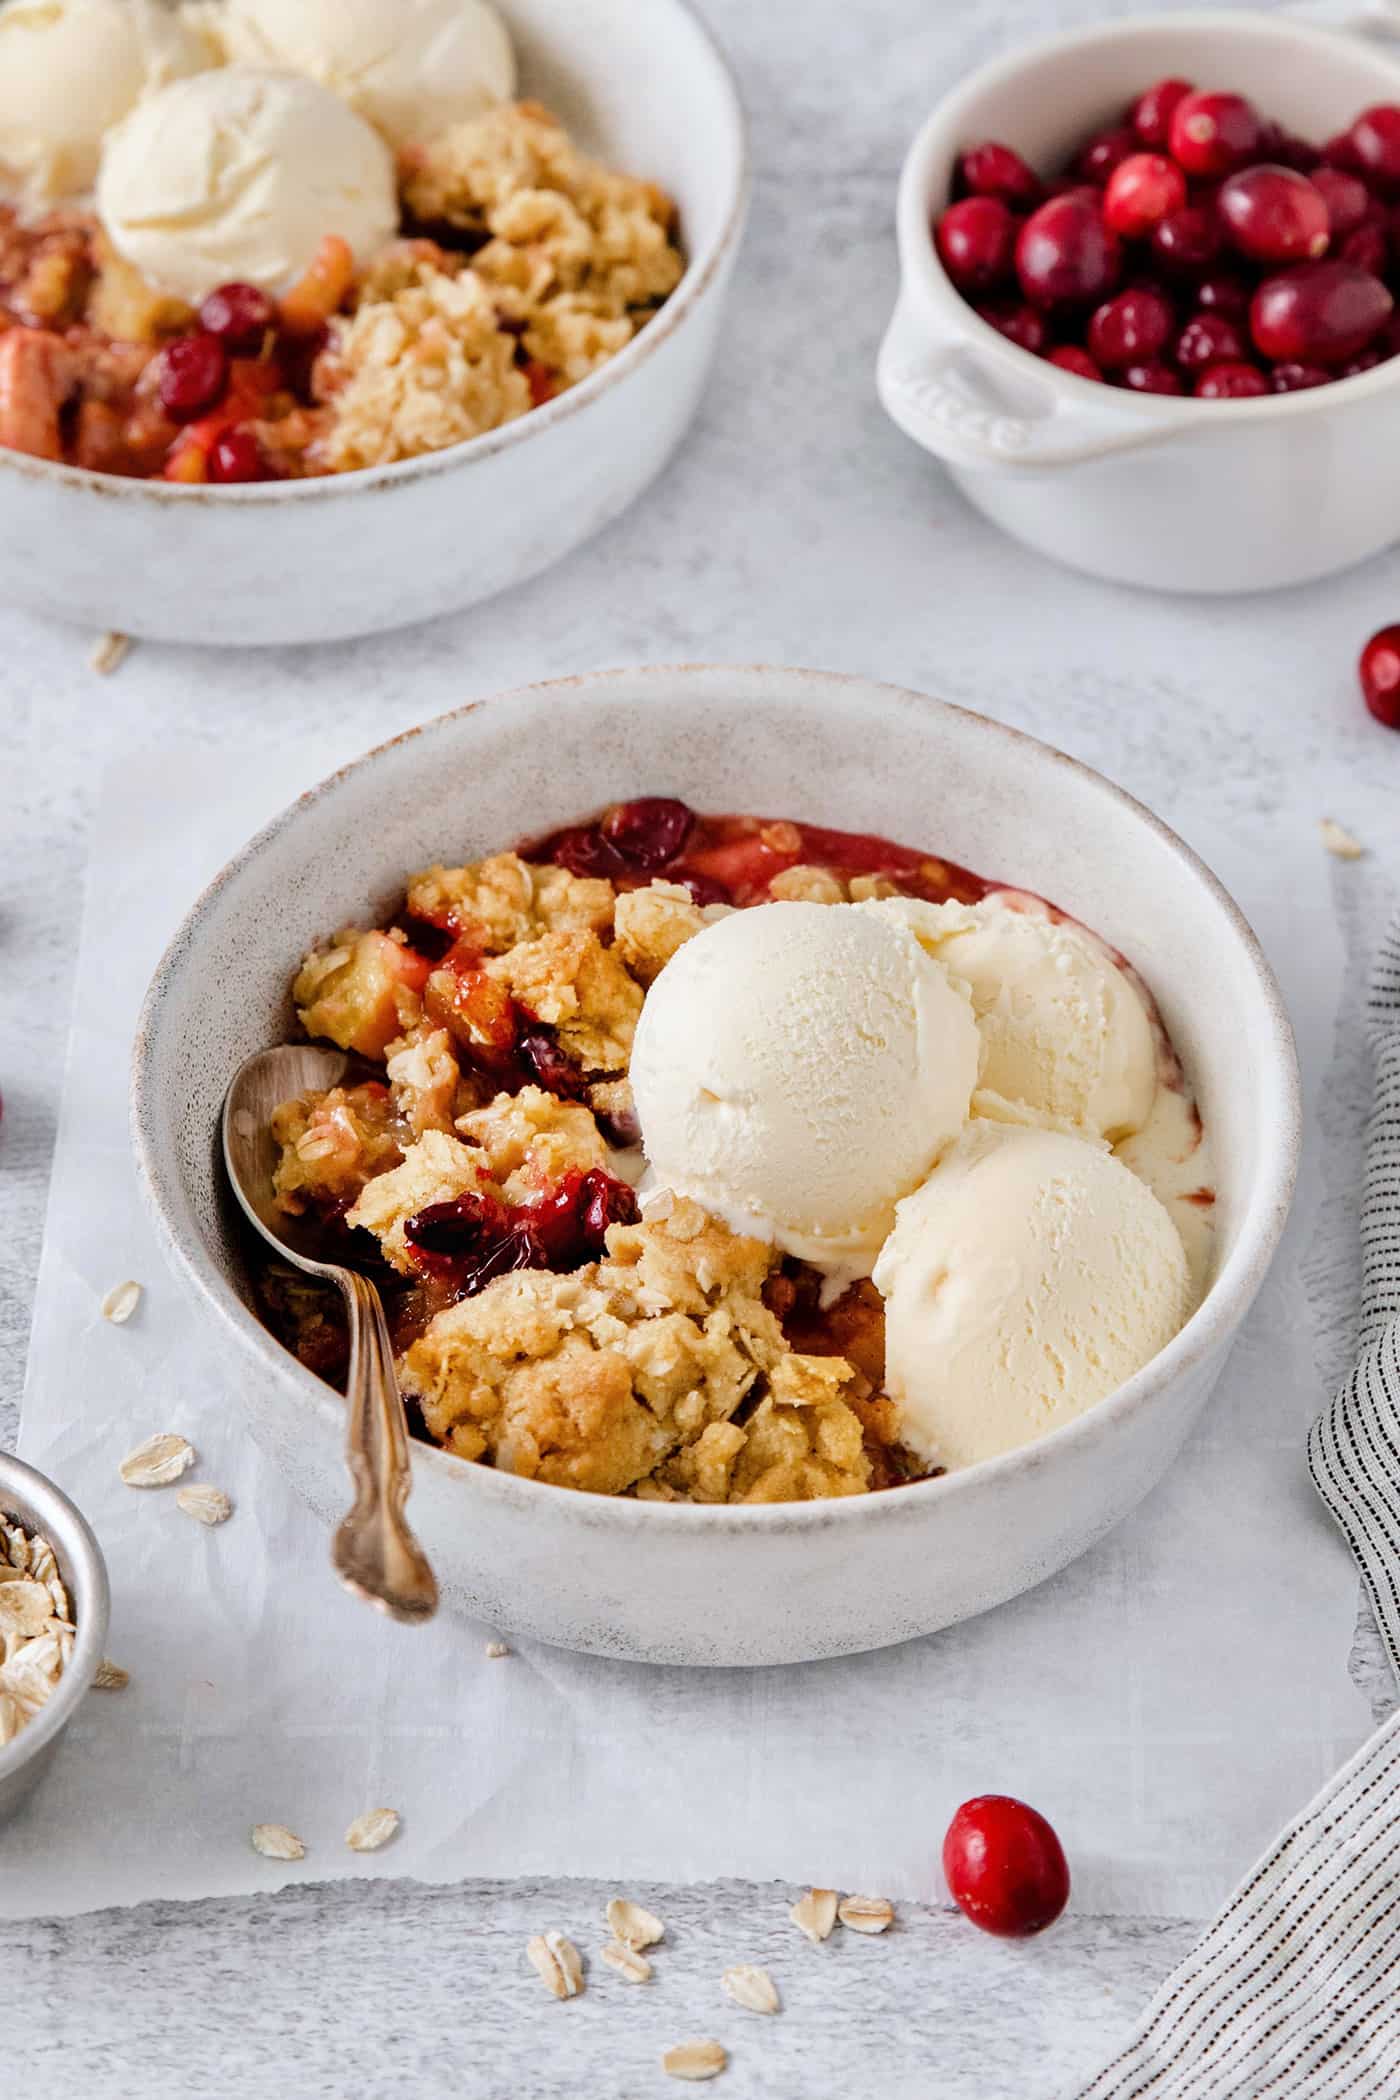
x,y
1150,304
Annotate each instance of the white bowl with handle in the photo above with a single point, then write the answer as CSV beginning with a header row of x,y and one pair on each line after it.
x,y
347,554
1170,493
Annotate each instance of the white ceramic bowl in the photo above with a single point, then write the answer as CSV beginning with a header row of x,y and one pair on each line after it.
x,y
674,1583
1140,488
322,559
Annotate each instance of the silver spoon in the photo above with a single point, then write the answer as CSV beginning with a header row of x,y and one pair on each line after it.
x,y
374,1552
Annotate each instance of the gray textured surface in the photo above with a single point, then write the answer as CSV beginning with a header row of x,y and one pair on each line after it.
x,y
797,526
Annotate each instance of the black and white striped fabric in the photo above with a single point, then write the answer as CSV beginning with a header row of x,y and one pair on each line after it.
x,y
1294,1992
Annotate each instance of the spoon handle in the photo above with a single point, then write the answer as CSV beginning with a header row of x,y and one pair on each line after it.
x,y
374,1552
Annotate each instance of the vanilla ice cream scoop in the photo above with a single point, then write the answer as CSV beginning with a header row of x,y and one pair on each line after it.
x,y
1067,1034
239,174
1024,1282
69,71
411,67
797,1069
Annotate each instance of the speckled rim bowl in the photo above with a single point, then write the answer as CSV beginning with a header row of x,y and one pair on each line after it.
x,y
30,1496
346,554
676,1583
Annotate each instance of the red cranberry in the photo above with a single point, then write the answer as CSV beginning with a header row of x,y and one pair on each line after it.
x,y
1065,253
236,455
1151,378
1355,366
1294,378
1220,293
649,831
1208,339
550,1066
1274,215
1129,329
1320,313
1019,324
1380,676
1152,112
705,890
1070,358
1348,201
976,240
1340,152
1187,240
1213,134
1141,190
1375,139
1005,1867
1097,161
1230,382
604,1201
240,316
584,851
994,170
1366,249
193,375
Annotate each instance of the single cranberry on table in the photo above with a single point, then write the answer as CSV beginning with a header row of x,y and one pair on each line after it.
x,y
1020,324
1065,255
1152,112
1141,191
1213,134
1230,382
1295,378
1208,339
192,375
1129,329
1096,161
1187,241
1380,676
1347,199
1151,378
976,241
1318,313
1273,215
994,170
1375,140
650,830
1005,1867
239,315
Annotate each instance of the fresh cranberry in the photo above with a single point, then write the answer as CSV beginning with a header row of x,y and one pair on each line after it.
x,y
1366,249
240,316
976,240
1070,358
1274,215
1208,339
1380,676
1129,329
649,831
1097,161
1142,189
1230,382
1152,112
1213,134
1289,150
1188,240
236,455
1340,152
1065,254
192,376
1320,313
1221,293
1348,201
994,170
550,1066
704,890
584,851
1375,139
1151,378
1355,366
1018,323
1005,1867
1295,378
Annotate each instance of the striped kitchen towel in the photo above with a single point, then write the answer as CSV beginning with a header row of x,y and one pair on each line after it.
x,y
1294,1992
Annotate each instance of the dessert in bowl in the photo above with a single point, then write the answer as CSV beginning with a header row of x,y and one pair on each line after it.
x,y
743,1382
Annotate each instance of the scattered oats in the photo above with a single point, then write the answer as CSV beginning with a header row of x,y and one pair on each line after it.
x,y
109,653
208,1505
244,1122
866,1914
556,1961
752,1988
12,1718
110,1677
695,2060
1339,841
157,1462
368,1832
626,1960
632,1925
121,1302
275,1841
657,1206
815,1915
495,1650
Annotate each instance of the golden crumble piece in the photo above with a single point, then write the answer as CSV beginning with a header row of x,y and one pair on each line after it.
x,y
568,336
866,888
685,1262
332,1143
570,981
434,1170
803,1443
506,900
651,924
426,1081
807,885
360,992
402,265
531,1139
612,1100
426,368
124,306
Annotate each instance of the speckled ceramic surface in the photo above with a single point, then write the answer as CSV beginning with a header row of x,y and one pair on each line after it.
x,y
679,1583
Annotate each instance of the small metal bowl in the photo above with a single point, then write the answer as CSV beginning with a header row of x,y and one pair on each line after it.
x,y
39,1506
